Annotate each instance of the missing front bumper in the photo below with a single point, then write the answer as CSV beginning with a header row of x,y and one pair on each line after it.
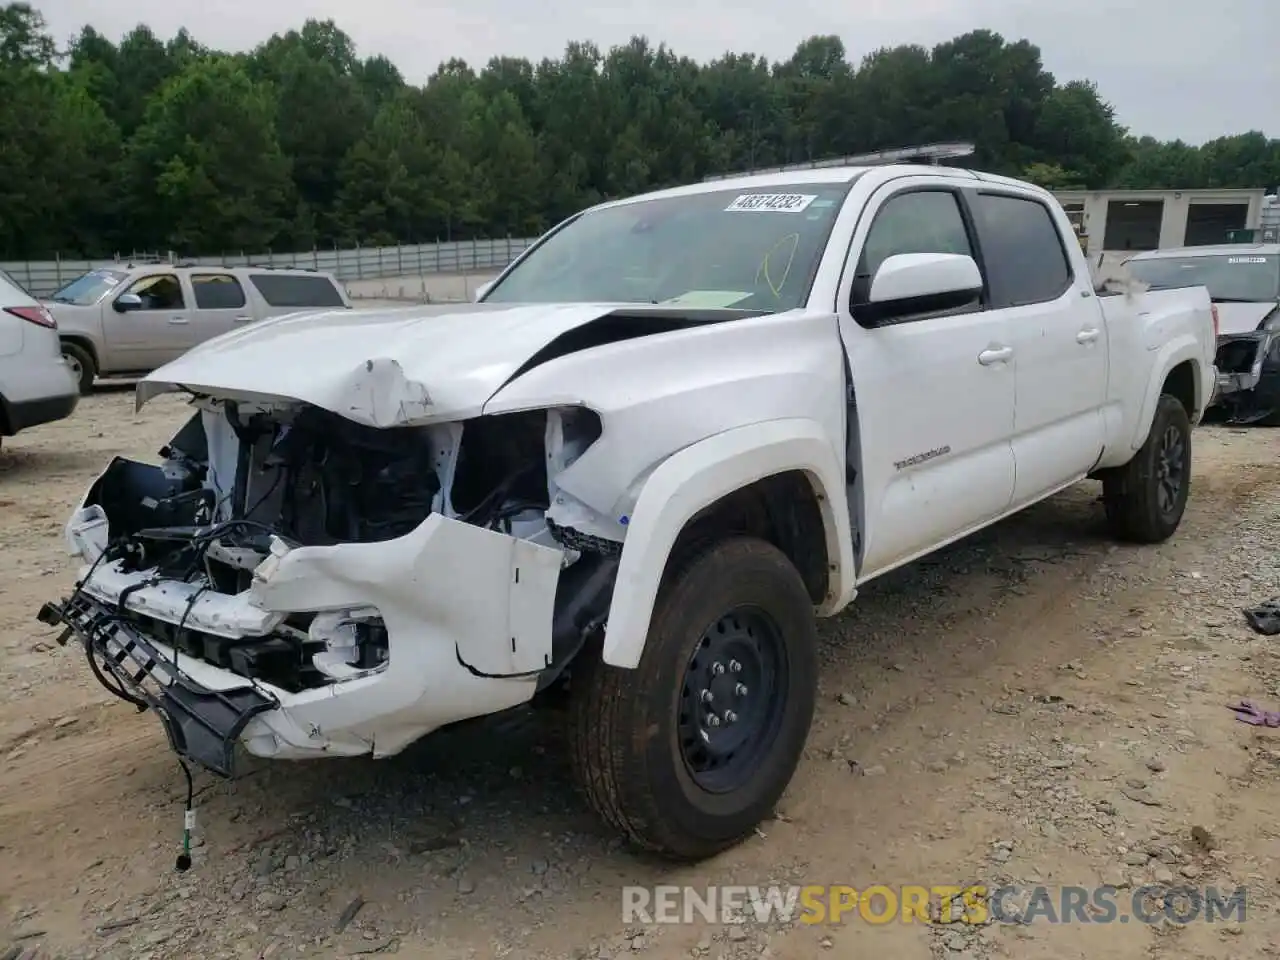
x,y
202,725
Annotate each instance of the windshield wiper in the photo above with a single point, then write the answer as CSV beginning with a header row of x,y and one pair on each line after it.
x,y
1236,300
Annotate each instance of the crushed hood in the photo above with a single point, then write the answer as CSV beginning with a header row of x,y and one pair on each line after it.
x,y
381,368
1237,318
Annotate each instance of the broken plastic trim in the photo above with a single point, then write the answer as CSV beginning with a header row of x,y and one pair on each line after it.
x,y
202,725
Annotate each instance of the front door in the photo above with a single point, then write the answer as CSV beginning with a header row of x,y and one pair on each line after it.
x,y
1058,338
934,393
149,336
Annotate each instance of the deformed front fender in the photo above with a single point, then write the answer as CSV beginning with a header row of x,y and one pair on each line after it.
x,y
695,478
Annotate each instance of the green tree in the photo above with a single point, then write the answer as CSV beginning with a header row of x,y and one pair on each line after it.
x,y
206,171
321,111
24,38
142,142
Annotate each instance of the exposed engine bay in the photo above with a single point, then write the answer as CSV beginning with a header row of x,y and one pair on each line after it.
x,y
240,482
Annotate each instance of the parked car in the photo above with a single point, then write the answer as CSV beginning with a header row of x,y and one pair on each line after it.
x,y
1243,280
126,322
673,430
36,385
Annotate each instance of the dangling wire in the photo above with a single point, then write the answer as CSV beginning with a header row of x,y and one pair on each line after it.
x,y
188,821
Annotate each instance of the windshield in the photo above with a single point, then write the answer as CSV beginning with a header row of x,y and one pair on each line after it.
x,y
740,249
1236,277
89,288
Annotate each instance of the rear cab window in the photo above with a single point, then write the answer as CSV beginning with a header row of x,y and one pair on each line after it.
x,y
1023,249
292,290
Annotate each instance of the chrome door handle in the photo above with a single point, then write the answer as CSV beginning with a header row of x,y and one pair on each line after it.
x,y
1087,336
988,357
243,319
177,320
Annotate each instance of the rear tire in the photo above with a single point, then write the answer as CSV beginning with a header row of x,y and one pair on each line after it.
x,y
1146,498
735,621
81,362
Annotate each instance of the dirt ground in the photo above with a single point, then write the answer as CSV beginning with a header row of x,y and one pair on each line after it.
x,y
1033,706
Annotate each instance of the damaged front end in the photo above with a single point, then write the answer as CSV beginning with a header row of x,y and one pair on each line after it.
x,y
1248,386
308,585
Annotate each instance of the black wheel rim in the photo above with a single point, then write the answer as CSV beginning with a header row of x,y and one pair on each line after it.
x,y
1171,470
732,699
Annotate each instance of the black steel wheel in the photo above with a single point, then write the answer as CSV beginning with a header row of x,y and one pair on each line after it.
x,y
732,699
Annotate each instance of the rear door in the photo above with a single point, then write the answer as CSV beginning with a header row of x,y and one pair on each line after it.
x,y
220,304
934,390
1058,338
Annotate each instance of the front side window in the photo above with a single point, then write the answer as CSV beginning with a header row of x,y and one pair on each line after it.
x,y
756,249
1231,277
1023,249
921,221
161,291
89,288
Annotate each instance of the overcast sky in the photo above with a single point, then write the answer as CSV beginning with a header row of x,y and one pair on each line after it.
x,y
1194,69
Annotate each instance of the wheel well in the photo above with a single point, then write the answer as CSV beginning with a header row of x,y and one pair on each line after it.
x,y
83,343
782,509
1181,385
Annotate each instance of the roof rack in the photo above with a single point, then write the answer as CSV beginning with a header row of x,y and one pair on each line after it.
x,y
931,154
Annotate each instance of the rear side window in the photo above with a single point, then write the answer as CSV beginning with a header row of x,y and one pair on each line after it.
x,y
217,291
1023,250
293,291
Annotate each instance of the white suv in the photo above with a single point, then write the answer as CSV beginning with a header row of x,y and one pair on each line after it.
x,y
36,385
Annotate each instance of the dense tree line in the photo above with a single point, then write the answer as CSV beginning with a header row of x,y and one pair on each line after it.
x,y
152,144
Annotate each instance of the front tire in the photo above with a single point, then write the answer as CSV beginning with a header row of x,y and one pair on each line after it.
x,y
733,637
1146,498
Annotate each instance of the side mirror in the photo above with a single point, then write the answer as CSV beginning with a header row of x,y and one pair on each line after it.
x,y
914,283
482,290
126,302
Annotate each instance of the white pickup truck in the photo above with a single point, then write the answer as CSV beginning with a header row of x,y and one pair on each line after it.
x,y
673,430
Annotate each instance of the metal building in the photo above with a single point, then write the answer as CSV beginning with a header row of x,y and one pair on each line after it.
x,y
1129,221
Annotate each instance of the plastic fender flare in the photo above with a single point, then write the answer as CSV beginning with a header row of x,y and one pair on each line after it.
x,y
1169,356
695,478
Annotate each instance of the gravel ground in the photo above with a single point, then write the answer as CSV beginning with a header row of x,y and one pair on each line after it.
x,y
1032,706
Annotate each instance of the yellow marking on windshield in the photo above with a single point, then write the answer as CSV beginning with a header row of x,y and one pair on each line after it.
x,y
794,239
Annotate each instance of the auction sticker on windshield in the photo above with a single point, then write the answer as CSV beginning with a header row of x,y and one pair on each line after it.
x,y
772,202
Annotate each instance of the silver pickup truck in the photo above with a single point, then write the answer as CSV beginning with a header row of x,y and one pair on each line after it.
x,y
131,320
